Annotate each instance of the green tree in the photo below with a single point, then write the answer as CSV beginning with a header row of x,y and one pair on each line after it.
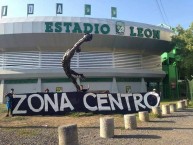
x,y
184,41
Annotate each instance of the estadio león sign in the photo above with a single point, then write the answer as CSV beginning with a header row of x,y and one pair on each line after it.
x,y
61,103
96,28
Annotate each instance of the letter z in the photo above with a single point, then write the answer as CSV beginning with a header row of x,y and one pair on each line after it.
x,y
22,98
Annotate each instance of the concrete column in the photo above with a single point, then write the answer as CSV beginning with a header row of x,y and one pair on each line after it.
x,y
2,92
114,88
144,116
157,111
68,135
186,102
165,109
130,121
172,108
39,85
143,85
180,104
106,127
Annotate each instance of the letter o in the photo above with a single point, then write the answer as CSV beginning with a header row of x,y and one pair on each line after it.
x,y
105,29
148,33
30,104
147,95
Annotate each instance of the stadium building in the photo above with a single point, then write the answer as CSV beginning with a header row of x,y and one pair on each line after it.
x,y
122,57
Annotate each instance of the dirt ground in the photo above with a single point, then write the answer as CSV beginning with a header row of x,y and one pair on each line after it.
x,y
175,128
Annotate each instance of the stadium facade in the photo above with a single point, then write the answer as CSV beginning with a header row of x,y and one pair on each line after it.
x,y
122,57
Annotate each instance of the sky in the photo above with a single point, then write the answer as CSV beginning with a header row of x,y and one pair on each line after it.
x,y
170,12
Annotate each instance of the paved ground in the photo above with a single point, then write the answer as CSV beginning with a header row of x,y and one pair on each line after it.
x,y
173,129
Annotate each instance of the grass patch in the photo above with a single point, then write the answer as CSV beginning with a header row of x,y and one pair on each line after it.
x,y
80,114
15,118
151,115
27,132
166,101
23,132
3,108
190,105
118,115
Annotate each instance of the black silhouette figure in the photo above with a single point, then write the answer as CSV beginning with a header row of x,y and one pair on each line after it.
x,y
67,59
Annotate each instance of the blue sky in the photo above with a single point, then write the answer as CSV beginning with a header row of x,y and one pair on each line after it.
x,y
144,11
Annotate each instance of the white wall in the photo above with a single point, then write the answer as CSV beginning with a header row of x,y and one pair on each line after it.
x,y
98,85
2,91
69,87
135,87
66,86
22,88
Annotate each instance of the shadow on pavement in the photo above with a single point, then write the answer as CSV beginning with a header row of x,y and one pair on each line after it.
x,y
160,121
89,127
154,128
183,128
29,127
185,110
175,116
138,136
